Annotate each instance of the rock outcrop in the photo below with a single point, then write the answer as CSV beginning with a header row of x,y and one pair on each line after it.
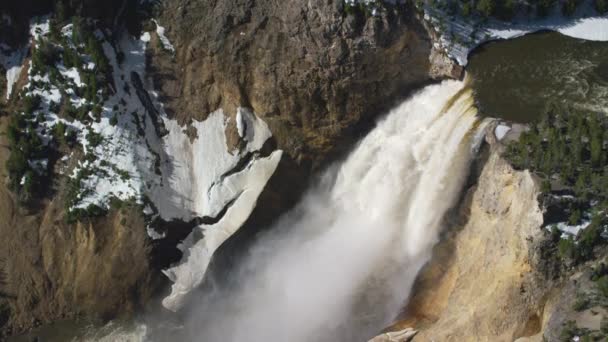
x,y
485,282
315,74
51,270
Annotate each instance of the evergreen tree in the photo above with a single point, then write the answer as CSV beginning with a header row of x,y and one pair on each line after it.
x,y
486,7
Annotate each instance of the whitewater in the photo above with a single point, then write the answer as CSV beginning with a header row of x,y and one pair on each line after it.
x,y
340,266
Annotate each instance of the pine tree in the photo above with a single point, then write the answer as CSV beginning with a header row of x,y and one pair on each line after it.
x,y
486,7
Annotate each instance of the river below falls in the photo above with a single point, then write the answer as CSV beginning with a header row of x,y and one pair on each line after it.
x,y
515,79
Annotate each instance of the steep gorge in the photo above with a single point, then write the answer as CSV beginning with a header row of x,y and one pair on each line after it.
x,y
488,280
316,102
267,63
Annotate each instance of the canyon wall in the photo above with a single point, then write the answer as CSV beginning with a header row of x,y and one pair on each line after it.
x,y
489,279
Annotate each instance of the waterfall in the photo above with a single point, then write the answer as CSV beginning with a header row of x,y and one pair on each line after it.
x,y
340,266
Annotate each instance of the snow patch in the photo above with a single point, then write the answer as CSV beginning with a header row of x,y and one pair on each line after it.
x,y
252,129
145,37
190,273
500,131
128,156
154,235
570,230
201,177
160,31
40,28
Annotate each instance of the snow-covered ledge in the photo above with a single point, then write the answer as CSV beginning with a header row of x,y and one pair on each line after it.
x,y
461,35
204,179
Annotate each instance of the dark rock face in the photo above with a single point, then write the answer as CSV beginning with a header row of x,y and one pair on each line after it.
x,y
316,75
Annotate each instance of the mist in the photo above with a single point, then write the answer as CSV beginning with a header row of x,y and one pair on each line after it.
x,y
340,266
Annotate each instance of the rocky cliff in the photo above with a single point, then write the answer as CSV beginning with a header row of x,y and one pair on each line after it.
x,y
52,270
496,275
316,74
487,285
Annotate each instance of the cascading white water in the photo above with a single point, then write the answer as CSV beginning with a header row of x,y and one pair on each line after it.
x,y
339,267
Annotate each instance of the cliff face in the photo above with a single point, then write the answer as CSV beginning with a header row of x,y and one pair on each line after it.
x,y
486,282
312,72
51,270
316,75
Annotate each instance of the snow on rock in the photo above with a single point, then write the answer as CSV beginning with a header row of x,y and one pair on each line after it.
x,y
160,31
40,28
197,254
501,130
145,37
202,178
134,151
12,61
123,156
71,74
569,230
251,128
461,35
153,234
117,165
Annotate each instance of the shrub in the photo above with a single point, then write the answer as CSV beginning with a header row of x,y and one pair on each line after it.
x,y
17,166
94,138
93,48
31,103
567,248
485,7
569,331
589,238
575,217
43,56
59,132
71,58
600,271
79,214
114,120
581,302
97,111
